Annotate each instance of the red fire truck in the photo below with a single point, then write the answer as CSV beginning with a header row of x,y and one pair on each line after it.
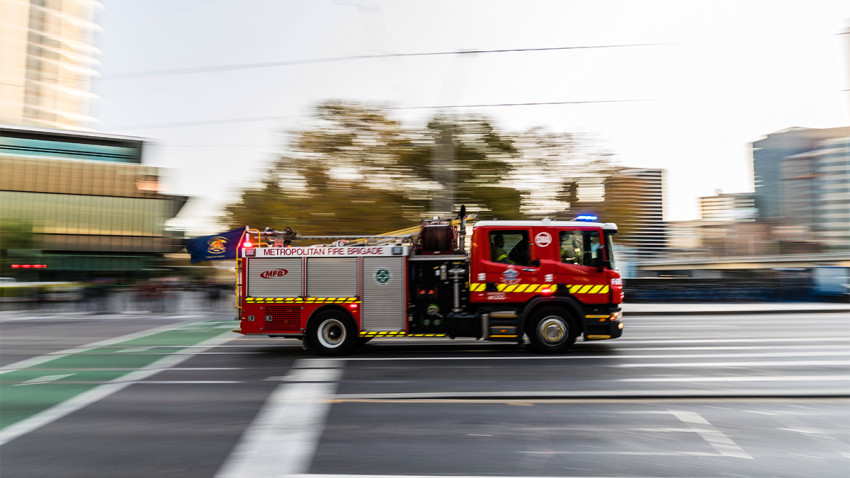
x,y
548,281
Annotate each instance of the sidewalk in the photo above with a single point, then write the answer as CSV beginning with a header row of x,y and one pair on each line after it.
x,y
121,304
732,308
194,302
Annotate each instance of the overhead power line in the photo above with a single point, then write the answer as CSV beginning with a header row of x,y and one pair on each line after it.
x,y
499,105
420,107
199,123
308,61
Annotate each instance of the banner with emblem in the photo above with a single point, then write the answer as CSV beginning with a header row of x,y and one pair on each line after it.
x,y
215,247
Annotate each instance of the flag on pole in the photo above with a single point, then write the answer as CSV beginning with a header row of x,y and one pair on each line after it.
x,y
216,247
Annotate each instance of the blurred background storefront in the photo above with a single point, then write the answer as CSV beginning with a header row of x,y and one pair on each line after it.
x,y
79,206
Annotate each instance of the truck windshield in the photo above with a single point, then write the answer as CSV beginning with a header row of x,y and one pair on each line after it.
x,y
609,250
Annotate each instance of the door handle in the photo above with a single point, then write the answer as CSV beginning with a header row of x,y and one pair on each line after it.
x,y
529,269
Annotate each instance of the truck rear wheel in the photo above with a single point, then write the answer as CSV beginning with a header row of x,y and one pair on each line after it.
x,y
552,330
332,332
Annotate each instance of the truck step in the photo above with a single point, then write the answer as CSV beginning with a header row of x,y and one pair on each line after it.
x,y
503,332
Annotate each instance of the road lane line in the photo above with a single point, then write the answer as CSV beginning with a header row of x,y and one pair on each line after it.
x,y
840,393
321,475
576,355
614,452
778,378
44,379
282,439
790,363
716,438
725,340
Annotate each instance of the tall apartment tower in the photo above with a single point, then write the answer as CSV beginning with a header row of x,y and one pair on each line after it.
x,y
48,60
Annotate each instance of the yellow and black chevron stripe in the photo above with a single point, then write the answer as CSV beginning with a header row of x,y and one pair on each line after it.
x,y
399,333
536,288
524,288
588,289
302,300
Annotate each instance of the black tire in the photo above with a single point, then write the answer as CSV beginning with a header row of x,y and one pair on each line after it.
x,y
332,332
551,330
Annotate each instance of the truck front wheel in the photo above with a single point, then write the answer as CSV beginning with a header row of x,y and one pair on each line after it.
x,y
332,332
552,330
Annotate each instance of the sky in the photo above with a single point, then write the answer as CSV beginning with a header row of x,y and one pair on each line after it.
x,y
685,86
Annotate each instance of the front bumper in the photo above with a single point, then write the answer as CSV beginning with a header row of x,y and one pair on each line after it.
x,y
603,326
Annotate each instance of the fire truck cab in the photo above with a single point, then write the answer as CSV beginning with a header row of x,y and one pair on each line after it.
x,y
542,282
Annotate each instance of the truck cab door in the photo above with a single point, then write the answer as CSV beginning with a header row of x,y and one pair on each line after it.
x,y
509,270
581,264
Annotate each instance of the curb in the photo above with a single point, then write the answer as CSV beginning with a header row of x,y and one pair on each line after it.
x,y
684,310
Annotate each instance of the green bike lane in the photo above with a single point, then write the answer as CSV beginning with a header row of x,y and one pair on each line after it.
x,y
38,391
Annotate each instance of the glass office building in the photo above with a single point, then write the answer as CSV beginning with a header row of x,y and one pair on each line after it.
x,y
92,209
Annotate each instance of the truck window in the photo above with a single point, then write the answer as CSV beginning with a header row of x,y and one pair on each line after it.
x,y
580,247
510,247
609,250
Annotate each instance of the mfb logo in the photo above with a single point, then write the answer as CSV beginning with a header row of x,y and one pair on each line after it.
x,y
543,239
274,273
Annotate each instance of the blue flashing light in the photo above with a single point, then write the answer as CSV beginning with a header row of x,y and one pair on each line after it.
x,y
587,218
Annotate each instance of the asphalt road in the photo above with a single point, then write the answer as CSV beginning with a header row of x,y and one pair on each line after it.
x,y
141,395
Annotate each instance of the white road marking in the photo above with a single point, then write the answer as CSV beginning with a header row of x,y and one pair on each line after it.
x,y
571,396
722,443
312,375
726,340
780,378
614,452
43,379
840,347
187,382
824,353
134,350
790,363
298,475
804,431
283,437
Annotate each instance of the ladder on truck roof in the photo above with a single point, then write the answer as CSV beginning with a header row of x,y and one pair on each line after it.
x,y
397,236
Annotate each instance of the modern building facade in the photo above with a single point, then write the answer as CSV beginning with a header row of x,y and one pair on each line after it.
x,y
91,207
48,60
817,194
734,207
768,154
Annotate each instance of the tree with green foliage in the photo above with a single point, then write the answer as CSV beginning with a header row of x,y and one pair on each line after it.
x,y
358,171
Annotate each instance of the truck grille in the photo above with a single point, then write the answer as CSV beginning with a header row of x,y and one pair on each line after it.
x,y
284,318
